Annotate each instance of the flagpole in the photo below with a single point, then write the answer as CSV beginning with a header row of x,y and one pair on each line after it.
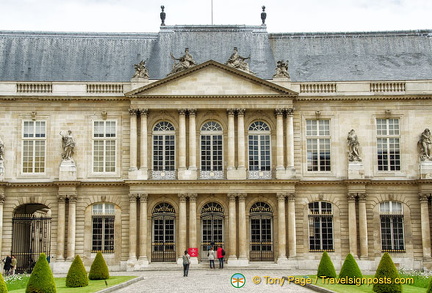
x,y
211,12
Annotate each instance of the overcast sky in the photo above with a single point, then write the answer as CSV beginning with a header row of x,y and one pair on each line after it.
x,y
282,15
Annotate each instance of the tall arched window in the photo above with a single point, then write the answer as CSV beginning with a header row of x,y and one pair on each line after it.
x,y
392,226
211,151
259,151
163,151
212,226
261,232
163,234
320,226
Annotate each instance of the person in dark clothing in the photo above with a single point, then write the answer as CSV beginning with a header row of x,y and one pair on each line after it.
x,y
7,265
186,263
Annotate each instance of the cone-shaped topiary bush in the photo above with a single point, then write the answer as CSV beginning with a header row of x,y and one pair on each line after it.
x,y
3,287
77,275
350,270
387,272
326,267
41,279
99,268
429,288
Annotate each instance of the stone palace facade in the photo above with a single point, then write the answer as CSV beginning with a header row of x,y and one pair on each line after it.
x,y
276,146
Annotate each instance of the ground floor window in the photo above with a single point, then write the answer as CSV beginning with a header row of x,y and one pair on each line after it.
x,y
392,226
103,228
320,226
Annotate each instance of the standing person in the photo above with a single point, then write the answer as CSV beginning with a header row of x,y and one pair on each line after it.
x,y
7,265
14,263
211,257
186,263
220,255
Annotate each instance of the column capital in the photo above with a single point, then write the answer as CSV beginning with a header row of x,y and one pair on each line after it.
x,y
2,198
231,112
232,196
362,196
143,112
289,111
281,196
291,196
242,196
279,111
192,112
351,196
192,197
72,198
133,197
182,111
424,196
241,111
182,197
133,112
143,197
61,197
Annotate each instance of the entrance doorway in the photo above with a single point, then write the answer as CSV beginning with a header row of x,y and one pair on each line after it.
x,y
31,235
261,232
163,242
212,227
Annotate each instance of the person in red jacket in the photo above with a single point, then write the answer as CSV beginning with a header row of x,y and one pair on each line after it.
x,y
220,255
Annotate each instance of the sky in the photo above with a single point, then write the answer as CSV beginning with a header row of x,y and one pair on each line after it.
x,y
282,15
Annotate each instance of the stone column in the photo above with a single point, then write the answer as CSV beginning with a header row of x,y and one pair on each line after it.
x,y
133,139
193,224
143,229
182,139
279,140
192,140
132,227
231,142
425,227
242,229
61,226
71,227
281,227
290,138
2,200
241,139
144,142
352,223
182,225
292,236
363,226
232,247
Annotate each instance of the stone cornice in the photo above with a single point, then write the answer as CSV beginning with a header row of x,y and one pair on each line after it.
x,y
334,97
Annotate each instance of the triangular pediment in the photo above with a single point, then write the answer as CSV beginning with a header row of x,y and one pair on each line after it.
x,y
210,79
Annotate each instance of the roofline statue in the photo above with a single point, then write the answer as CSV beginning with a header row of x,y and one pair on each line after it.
x,y
141,70
185,62
239,62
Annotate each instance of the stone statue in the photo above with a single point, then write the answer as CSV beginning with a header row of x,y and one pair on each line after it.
x,y
353,147
238,61
425,145
282,69
68,145
1,150
140,70
185,62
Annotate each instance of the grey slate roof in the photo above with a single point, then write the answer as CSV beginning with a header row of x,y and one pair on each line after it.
x,y
109,57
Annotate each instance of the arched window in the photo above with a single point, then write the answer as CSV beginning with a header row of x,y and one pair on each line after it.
x,y
392,226
261,232
320,226
211,151
259,151
103,216
163,241
212,226
163,151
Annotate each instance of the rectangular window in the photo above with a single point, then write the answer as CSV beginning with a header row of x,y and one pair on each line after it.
x,y
320,226
104,146
259,152
103,216
34,142
211,153
388,144
318,145
392,235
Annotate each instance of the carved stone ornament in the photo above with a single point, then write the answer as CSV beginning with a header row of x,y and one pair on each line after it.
x,y
162,16
238,62
184,62
263,15
68,145
2,150
353,147
281,70
141,70
425,145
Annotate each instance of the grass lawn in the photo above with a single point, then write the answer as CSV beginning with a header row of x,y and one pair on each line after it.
x,y
363,288
93,286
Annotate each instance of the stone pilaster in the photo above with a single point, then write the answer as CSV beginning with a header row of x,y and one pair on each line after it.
x,y
232,247
132,229
71,227
192,140
182,139
143,145
231,141
143,260
2,200
279,140
241,140
425,225
242,230
182,226
363,226
193,224
292,236
61,226
352,223
290,138
281,228
133,136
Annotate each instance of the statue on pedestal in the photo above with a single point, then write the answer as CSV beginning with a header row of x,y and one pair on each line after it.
x,y
1,150
238,62
68,145
185,62
353,147
281,69
141,70
425,145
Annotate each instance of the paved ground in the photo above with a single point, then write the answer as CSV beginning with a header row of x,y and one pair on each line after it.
x,y
206,280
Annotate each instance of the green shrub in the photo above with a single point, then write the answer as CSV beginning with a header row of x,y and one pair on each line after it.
x,y
429,288
350,270
387,272
326,267
77,275
3,287
41,279
99,268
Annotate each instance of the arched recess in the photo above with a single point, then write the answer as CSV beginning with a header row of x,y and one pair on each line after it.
x,y
261,232
212,227
163,233
31,234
